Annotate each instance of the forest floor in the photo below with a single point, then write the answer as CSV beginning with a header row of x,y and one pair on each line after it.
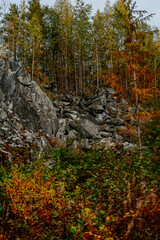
x,y
83,193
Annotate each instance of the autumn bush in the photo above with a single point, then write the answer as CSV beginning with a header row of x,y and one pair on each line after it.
x,y
82,194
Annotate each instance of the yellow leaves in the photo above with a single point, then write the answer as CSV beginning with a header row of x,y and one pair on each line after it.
x,y
30,193
129,214
87,211
110,218
122,9
88,216
145,93
107,218
102,227
133,67
51,192
129,116
142,115
91,234
145,115
99,236
109,238
156,91
129,130
78,188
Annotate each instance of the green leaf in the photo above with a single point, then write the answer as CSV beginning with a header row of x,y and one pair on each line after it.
x,y
73,229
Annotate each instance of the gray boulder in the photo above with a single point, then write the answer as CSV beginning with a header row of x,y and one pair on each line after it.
x,y
88,129
22,96
96,109
101,100
62,128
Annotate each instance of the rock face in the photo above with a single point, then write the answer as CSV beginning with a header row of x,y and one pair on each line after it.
x,y
25,110
21,96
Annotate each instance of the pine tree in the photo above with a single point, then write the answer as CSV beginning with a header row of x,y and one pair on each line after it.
x,y
23,34
35,21
51,38
134,54
3,12
82,40
11,31
104,42
64,11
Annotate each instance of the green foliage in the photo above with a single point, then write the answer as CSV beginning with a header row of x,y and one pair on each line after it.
x,y
84,194
67,45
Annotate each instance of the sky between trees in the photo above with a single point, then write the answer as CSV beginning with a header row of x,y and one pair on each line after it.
x,y
148,5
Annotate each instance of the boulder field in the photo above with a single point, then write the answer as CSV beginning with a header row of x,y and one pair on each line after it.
x,y
26,111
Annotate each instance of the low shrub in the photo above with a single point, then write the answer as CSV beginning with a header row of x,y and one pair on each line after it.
x,y
91,194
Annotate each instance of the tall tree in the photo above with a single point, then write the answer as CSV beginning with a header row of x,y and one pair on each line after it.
x,y
35,22
133,52
82,40
129,21
64,11
99,32
104,42
3,12
11,31
51,37
23,34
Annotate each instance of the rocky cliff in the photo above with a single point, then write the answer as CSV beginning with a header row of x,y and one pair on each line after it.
x,y
23,97
26,109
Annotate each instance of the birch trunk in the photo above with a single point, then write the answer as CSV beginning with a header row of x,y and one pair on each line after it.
x,y
15,48
33,52
138,117
97,64
66,68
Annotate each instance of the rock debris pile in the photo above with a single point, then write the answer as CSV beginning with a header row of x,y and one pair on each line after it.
x,y
86,119
26,112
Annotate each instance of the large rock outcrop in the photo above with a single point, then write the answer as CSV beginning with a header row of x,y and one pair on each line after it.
x,y
28,117
21,96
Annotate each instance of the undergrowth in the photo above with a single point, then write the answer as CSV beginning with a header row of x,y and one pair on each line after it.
x,y
81,194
